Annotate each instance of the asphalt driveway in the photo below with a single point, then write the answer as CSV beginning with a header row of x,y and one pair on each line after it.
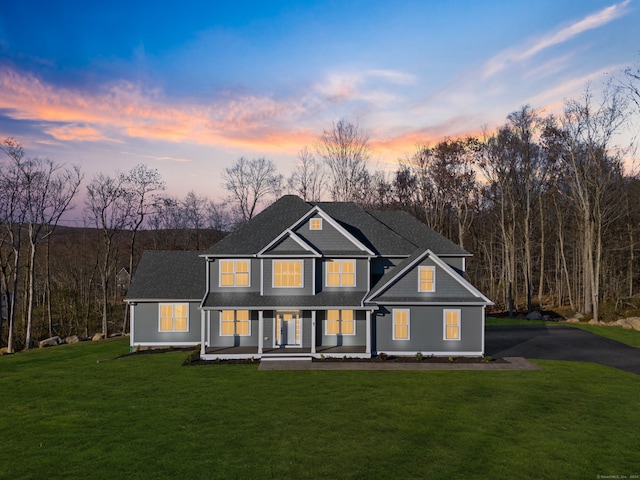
x,y
560,343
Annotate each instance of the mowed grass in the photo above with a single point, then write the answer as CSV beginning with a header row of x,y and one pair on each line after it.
x,y
65,416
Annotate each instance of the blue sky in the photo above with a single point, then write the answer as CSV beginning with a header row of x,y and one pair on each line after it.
x,y
189,87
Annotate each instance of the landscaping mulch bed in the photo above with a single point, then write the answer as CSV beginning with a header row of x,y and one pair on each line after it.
x,y
376,359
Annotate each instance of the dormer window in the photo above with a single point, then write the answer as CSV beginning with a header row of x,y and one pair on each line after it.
x,y
315,224
427,279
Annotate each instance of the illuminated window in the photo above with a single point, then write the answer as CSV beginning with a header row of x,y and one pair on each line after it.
x,y
174,317
235,322
340,322
427,280
341,273
401,324
287,273
452,324
234,273
315,224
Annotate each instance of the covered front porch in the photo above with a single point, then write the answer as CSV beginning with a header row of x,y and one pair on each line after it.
x,y
227,353
283,334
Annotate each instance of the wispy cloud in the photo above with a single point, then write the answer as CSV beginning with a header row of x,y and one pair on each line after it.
x,y
124,109
518,54
369,86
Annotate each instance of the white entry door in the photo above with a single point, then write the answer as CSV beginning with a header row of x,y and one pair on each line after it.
x,y
288,329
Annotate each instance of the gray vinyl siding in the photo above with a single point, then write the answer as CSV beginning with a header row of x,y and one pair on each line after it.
x,y
328,239
146,324
254,274
427,330
217,340
446,286
289,245
380,266
359,339
455,262
362,276
307,282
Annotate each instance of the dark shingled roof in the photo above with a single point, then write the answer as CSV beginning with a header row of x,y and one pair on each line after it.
x,y
391,275
386,233
255,300
417,232
257,233
168,275
370,231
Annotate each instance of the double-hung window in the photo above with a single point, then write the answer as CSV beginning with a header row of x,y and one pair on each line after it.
x,y
427,279
340,322
401,324
174,317
235,322
234,273
287,273
452,324
341,273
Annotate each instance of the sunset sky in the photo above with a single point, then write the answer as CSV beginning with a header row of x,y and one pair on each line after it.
x,y
188,87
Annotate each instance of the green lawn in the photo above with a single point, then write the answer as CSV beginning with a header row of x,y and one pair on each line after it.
x,y
630,337
66,416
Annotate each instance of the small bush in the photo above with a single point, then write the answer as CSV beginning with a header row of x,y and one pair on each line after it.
x,y
419,356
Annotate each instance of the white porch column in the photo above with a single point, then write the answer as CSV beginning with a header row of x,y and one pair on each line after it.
x,y
368,323
313,331
132,307
203,330
260,332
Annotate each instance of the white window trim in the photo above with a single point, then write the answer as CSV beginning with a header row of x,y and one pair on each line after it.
x,y
444,324
311,223
160,305
235,322
234,260
393,323
340,261
273,273
326,324
433,269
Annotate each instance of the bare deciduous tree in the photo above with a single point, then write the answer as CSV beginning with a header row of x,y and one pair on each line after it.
x,y
345,150
307,179
42,192
108,208
250,183
592,170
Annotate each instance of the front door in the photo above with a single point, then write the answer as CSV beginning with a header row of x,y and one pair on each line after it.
x,y
288,329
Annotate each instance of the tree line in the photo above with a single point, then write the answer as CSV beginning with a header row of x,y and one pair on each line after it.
x,y
546,203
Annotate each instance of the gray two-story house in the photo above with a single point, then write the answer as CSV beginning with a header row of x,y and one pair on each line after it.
x,y
312,279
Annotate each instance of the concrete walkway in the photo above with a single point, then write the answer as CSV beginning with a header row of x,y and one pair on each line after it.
x,y
511,363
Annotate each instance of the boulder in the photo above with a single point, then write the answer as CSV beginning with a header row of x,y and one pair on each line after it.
x,y
97,336
50,342
535,315
72,339
634,322
114,335
593,321
571,320
4,351
619,323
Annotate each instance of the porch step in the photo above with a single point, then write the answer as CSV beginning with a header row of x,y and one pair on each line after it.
x,y
286,358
